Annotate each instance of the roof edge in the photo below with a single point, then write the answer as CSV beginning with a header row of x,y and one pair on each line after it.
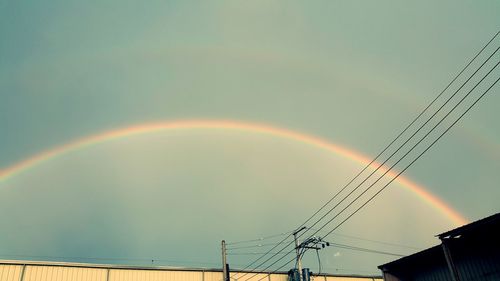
x,y
164,268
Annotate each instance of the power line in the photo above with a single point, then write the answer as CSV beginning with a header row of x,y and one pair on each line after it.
x,y
412,162
252,246
419,129
104,259
387,169
352,271
368,165
367,250
422,153
319,261
402,145
259,239
414,146
378,241
244,254
372,240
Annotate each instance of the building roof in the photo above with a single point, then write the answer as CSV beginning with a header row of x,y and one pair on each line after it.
x,y
433,255
164,268
481,226
486,229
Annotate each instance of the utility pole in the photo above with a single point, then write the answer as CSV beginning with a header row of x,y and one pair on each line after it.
x,y
304,274
225,266
297,251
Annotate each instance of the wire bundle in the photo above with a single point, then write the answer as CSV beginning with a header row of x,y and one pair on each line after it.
x,y
435,120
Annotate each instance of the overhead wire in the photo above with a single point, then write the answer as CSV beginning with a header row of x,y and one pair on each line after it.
x,y
378,192
252,246
244,254
403,131
374,241
424,151
355,248
362,249
454,79
411,149
103,259
387,170
377,241
259,239
354,271
319,261
387,147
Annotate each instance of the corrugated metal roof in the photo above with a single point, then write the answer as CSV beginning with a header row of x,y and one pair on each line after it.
x,y
470,252
418,259
475,227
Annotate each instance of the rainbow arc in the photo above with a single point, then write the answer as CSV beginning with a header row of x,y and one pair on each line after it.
x,y
257,128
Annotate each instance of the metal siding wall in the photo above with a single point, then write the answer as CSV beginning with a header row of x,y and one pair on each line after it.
x,y
284,277
338,278
390,277
478,268
438,273
213,276
13,272
256,277
10,272
329,278
154,275
60,273
233,275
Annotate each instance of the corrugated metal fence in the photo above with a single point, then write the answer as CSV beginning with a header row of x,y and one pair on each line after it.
x,y
46,271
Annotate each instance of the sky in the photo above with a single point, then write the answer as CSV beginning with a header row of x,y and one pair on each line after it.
x,y
352,73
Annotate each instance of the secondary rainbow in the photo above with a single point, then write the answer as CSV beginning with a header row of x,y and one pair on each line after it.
x,y
315,141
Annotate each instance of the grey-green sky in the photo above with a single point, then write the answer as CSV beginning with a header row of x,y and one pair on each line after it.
x,y
351,72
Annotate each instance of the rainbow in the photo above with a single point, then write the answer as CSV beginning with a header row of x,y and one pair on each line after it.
x,y
37,159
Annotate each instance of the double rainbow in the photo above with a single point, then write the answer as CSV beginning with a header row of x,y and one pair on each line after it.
x,y
317,142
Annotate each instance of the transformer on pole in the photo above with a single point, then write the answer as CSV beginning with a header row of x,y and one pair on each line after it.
x,y
304,274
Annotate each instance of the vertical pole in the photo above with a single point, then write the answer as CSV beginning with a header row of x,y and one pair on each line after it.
x,y
297,251
225,274
449,260
21,276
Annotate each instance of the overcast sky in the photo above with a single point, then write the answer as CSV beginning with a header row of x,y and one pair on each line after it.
x,y
353,73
